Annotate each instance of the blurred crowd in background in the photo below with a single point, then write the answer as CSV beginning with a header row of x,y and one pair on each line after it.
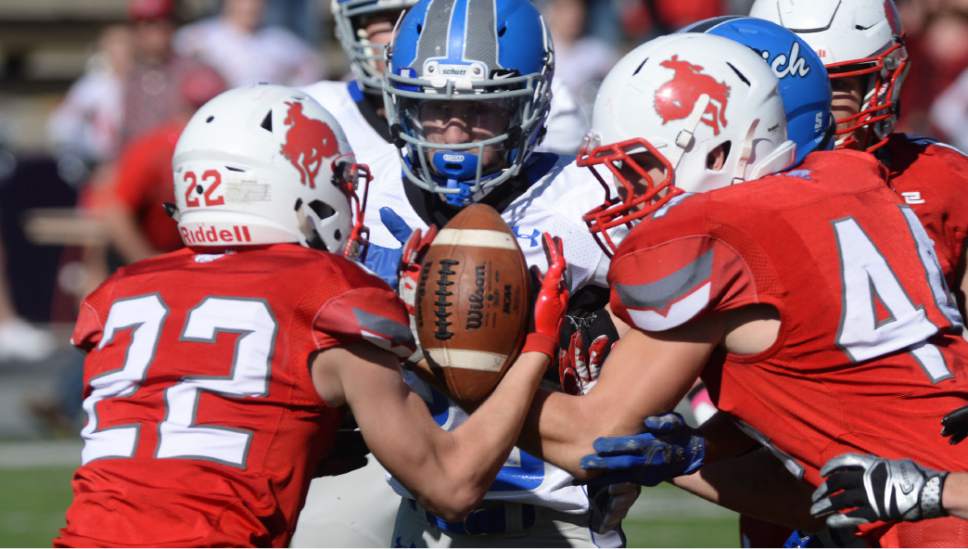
x,y
88,199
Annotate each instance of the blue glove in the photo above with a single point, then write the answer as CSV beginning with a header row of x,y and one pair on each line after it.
x,y
666,449
385,262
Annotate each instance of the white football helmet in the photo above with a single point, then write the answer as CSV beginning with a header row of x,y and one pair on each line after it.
x,y
678,99
854,38
267,164
365,57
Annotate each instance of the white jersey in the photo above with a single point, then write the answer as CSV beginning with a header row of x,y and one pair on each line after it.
x,y
554,203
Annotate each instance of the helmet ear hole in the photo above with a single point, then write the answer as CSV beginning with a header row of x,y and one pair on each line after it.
x,y
337,234
717,157
321,209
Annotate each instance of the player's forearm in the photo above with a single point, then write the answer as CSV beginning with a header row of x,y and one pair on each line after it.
x,y
755,484
561,428
480,446
954,498
126,236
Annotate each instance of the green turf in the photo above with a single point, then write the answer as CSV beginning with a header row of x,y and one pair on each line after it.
x,y
684,532
33,500
32,504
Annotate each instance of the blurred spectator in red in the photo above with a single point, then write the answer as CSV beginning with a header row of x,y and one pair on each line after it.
x,y
643,19
246,51
87,123
132,205
151,91
587,58
937,42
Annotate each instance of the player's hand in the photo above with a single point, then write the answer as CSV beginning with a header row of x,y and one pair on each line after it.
x,y
552,300
955,425
383,261
580,364
666,449
411,261
876,489
348,454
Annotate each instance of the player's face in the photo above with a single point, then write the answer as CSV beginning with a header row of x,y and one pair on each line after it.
x,y
457,122
378,30
631,172
848,95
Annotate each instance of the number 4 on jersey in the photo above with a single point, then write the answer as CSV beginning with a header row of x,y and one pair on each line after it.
x,y
868,281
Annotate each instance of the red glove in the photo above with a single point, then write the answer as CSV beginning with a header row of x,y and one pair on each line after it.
x,y
579,365
411,261
552,300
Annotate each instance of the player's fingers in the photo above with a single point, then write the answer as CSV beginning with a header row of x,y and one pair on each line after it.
x,y
842,521
649,448
665,423
821,506
847,460
596,354
569,381
955,425
596,462
395,224
855,497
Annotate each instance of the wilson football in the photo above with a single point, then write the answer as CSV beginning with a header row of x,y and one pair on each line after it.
x,y
472,304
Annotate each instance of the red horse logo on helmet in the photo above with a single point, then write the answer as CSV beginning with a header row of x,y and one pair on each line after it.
x,y
677,98
308,143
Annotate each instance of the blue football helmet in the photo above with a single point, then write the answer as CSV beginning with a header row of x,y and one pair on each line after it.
x,y
365,57
495,54
804,86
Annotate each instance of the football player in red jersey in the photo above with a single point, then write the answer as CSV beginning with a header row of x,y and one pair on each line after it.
x,y
810,302
216,375
861,43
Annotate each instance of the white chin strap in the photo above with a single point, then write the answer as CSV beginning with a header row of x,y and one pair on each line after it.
x,y
777,160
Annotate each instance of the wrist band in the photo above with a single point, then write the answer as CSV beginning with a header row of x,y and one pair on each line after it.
x,y
540,343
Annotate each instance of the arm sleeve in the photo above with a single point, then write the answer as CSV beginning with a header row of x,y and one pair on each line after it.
x,y
89,326
374,315
661,287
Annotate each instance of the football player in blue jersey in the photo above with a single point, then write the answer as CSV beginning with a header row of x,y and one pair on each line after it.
x,y
468,92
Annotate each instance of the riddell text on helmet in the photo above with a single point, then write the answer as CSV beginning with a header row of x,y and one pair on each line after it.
x,y
214,235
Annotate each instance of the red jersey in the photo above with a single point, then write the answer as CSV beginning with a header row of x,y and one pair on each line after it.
x,y
866,360
204,426
933,179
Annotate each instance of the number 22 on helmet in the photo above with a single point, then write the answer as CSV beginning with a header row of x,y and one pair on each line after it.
x,y
267,164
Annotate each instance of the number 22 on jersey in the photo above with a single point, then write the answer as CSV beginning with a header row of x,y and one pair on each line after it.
x,y
178,434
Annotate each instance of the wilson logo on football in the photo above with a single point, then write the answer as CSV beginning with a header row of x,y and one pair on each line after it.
x,y
677,98
308,143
